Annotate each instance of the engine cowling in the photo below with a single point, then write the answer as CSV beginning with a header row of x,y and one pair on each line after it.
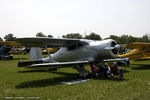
x,y
107,49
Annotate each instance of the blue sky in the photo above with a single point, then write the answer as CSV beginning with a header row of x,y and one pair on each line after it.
x,y
58,17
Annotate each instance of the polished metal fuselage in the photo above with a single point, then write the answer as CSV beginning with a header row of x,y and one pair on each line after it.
x,y
93,51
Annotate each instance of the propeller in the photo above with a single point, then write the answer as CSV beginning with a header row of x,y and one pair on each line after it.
x,y
113,48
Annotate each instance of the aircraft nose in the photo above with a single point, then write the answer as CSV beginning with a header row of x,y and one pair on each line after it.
x,y
117,46
113,46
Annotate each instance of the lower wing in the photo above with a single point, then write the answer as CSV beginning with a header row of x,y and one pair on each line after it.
x,y
114,60
40,65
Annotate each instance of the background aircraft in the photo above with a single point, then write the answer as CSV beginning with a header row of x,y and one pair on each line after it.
x,y
10,43
5,48
141,51
51,50
4,52
12,48
18,48
75,52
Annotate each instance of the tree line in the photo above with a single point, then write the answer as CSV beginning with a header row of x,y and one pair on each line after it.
x,y
123,39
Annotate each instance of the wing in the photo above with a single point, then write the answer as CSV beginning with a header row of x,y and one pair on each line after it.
x,y
43,41
144,58
138,45
40,65
11,43
50,65
114,60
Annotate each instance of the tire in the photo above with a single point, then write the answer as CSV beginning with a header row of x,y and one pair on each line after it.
x,y
11,57
121,74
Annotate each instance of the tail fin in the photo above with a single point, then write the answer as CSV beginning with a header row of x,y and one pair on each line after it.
x,y
35,54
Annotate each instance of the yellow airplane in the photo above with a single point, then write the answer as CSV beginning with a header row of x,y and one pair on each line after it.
x,y
141,51
51,50
15,44
11,43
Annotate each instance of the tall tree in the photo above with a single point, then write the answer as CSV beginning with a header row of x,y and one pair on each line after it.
x,y
114,37
1,39
50,36
40,34
131,39
93,36
9,37
73,35
124,39
145,38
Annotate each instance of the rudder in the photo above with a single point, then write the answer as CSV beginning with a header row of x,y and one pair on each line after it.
x,y
35,54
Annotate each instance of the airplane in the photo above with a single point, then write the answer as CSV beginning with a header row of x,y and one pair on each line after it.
x,y
72,52
52,50
20,48
141,51
4,53
15,47
10,43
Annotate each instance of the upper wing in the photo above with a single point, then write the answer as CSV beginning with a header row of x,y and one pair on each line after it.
x,y
138,45
43,41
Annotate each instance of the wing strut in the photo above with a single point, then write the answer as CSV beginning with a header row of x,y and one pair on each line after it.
x,y
51,60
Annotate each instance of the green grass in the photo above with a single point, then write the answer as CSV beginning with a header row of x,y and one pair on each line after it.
x,y
19,82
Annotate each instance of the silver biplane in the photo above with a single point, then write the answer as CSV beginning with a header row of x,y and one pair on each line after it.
x,y
72,52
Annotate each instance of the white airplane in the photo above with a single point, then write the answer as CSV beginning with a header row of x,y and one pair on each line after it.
x,y
77,52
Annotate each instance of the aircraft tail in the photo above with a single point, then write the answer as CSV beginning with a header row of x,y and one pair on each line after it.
x,y
35,54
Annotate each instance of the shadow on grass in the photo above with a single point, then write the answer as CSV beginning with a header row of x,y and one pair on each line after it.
x,y
141,67
118,79
125,71
48,82
32,71
20,59
15,59
112,79
57,80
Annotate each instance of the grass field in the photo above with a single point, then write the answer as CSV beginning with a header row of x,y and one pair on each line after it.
x,y
16,82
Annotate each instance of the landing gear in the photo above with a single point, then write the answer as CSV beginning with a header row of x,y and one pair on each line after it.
x,y
83,73
120,74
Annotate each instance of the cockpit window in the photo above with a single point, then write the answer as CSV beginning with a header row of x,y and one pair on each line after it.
x,y
78,45
72,47
84,43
